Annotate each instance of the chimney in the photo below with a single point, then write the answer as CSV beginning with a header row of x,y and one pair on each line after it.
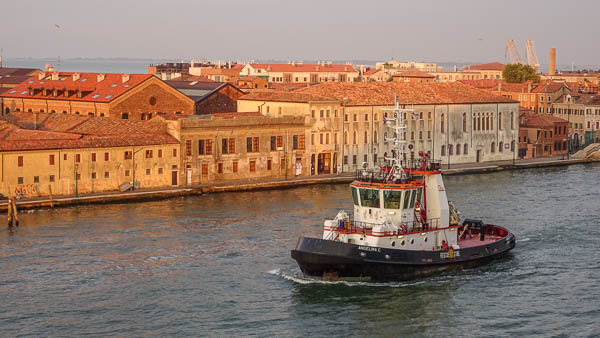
x,y
50,68
101,77
124,78
54,76
529,87
76,76
552,67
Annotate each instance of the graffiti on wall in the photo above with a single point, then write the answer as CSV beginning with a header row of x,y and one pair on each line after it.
x,y
27,190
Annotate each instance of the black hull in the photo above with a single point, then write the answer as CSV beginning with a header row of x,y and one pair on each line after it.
x,y
332,260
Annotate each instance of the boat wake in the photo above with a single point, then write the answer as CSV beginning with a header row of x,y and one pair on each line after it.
x,y
299,278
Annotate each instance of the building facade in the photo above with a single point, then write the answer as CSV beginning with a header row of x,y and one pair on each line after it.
x,y
122,96
301,73
453,122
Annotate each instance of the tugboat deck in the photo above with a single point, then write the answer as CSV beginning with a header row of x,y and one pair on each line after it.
x,y
475,241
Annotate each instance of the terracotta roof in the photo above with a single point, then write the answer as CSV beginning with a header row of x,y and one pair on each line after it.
x,y
285,96
78,124
548,87
371,72
540,121
383,93
309,68
589,99
17,71
413,73
487,66
106,90
13,79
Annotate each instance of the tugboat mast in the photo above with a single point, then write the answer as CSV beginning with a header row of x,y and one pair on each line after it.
x,y
397,124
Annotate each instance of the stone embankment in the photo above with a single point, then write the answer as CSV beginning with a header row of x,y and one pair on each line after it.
x,y
156,194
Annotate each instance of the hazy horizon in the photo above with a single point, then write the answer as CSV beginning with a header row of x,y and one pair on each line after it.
x,y
443,32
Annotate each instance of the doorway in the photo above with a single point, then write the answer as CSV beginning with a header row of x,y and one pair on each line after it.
x,y
478,156
174,177
324,163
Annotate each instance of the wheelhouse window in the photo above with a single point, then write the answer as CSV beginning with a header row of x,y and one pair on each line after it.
x,y
409,199
355,196
392,199
369,198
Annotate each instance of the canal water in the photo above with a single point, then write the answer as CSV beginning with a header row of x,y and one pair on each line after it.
x,y
219,265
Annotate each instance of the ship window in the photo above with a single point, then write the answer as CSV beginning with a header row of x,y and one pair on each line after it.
x,y
369,198
419,194
407,199
355,196
412,198
392,199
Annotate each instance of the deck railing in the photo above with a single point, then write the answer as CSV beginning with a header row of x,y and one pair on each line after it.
x,y
365,228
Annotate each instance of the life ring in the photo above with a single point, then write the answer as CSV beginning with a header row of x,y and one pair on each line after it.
x,y
403,228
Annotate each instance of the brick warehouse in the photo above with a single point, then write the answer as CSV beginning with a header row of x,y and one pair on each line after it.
x,y
124,96
209,97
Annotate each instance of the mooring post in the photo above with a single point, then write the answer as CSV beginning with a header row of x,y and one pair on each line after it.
x,y
51,199
10,212
14,207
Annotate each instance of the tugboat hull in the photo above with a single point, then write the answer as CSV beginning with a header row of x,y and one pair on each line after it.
x,y
333,260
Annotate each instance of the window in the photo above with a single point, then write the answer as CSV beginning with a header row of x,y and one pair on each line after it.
x,y
148,153
335,113
160,171
500,146
366,117
93,157
298,142
450,150
458,149
269,162
282,164
128,155
127,172
51,159
160,153
369,198
391,199
252,144
64,157
345,159
499,121
512,120
321,113
321,138
443,150
355,117
345,117
442,129
124,116
235,166
188,148
345,137
36,179
252,165
106,156
147,172
464,122
312,114
366,137
355,138
106,174
174,152
493,147
51,178
353,159
466,149
19,180
20,161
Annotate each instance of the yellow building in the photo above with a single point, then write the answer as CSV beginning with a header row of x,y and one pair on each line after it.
x,y
241,147
69,155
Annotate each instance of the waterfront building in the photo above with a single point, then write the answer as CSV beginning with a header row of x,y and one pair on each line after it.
x,y
241,147
55,154
209,97
393,66
121,96
413,76
456,76
375,75
591,81
11,77
298,72
492,70
541,135
454,122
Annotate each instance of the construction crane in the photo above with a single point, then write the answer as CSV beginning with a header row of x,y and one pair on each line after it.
x,y
513,52
532,59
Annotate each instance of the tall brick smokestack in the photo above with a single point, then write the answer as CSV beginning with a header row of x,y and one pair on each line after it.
x,y
552,67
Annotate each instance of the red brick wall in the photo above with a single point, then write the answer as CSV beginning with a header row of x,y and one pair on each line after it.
x,y
140,102
223,101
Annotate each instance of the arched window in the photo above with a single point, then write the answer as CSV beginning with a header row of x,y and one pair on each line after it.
x,y
442,123
487,123
458,149
512,145
28,110
366,137
493,147
450,150
474,123
500,146
345,137
443,150
375,137
500,121
464,122
355,138
466,149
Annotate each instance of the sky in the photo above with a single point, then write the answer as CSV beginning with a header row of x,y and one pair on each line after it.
x,y
424,30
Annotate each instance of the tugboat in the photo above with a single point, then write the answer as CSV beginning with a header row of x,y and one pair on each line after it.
x,y
402,227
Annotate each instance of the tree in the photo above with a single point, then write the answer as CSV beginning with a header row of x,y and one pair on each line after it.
x,y
519,73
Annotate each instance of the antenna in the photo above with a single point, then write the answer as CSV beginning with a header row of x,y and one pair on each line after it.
x,y
396,123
